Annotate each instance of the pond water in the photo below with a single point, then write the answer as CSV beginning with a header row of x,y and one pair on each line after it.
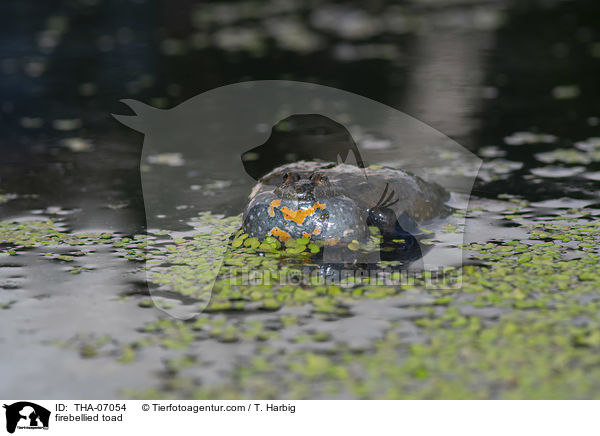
x,y
515,83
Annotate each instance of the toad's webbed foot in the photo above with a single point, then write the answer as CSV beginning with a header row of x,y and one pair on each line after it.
x,y
388,201
382,216
398,241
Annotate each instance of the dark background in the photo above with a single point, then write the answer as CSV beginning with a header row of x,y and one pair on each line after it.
x,y
477,71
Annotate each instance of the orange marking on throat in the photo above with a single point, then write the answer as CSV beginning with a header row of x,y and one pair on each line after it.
x,y
298,216
274,204
281,234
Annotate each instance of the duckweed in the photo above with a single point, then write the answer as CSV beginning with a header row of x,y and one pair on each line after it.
x,y
523,324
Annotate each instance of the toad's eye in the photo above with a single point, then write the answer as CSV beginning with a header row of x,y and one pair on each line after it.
x,y
319,178
290,177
